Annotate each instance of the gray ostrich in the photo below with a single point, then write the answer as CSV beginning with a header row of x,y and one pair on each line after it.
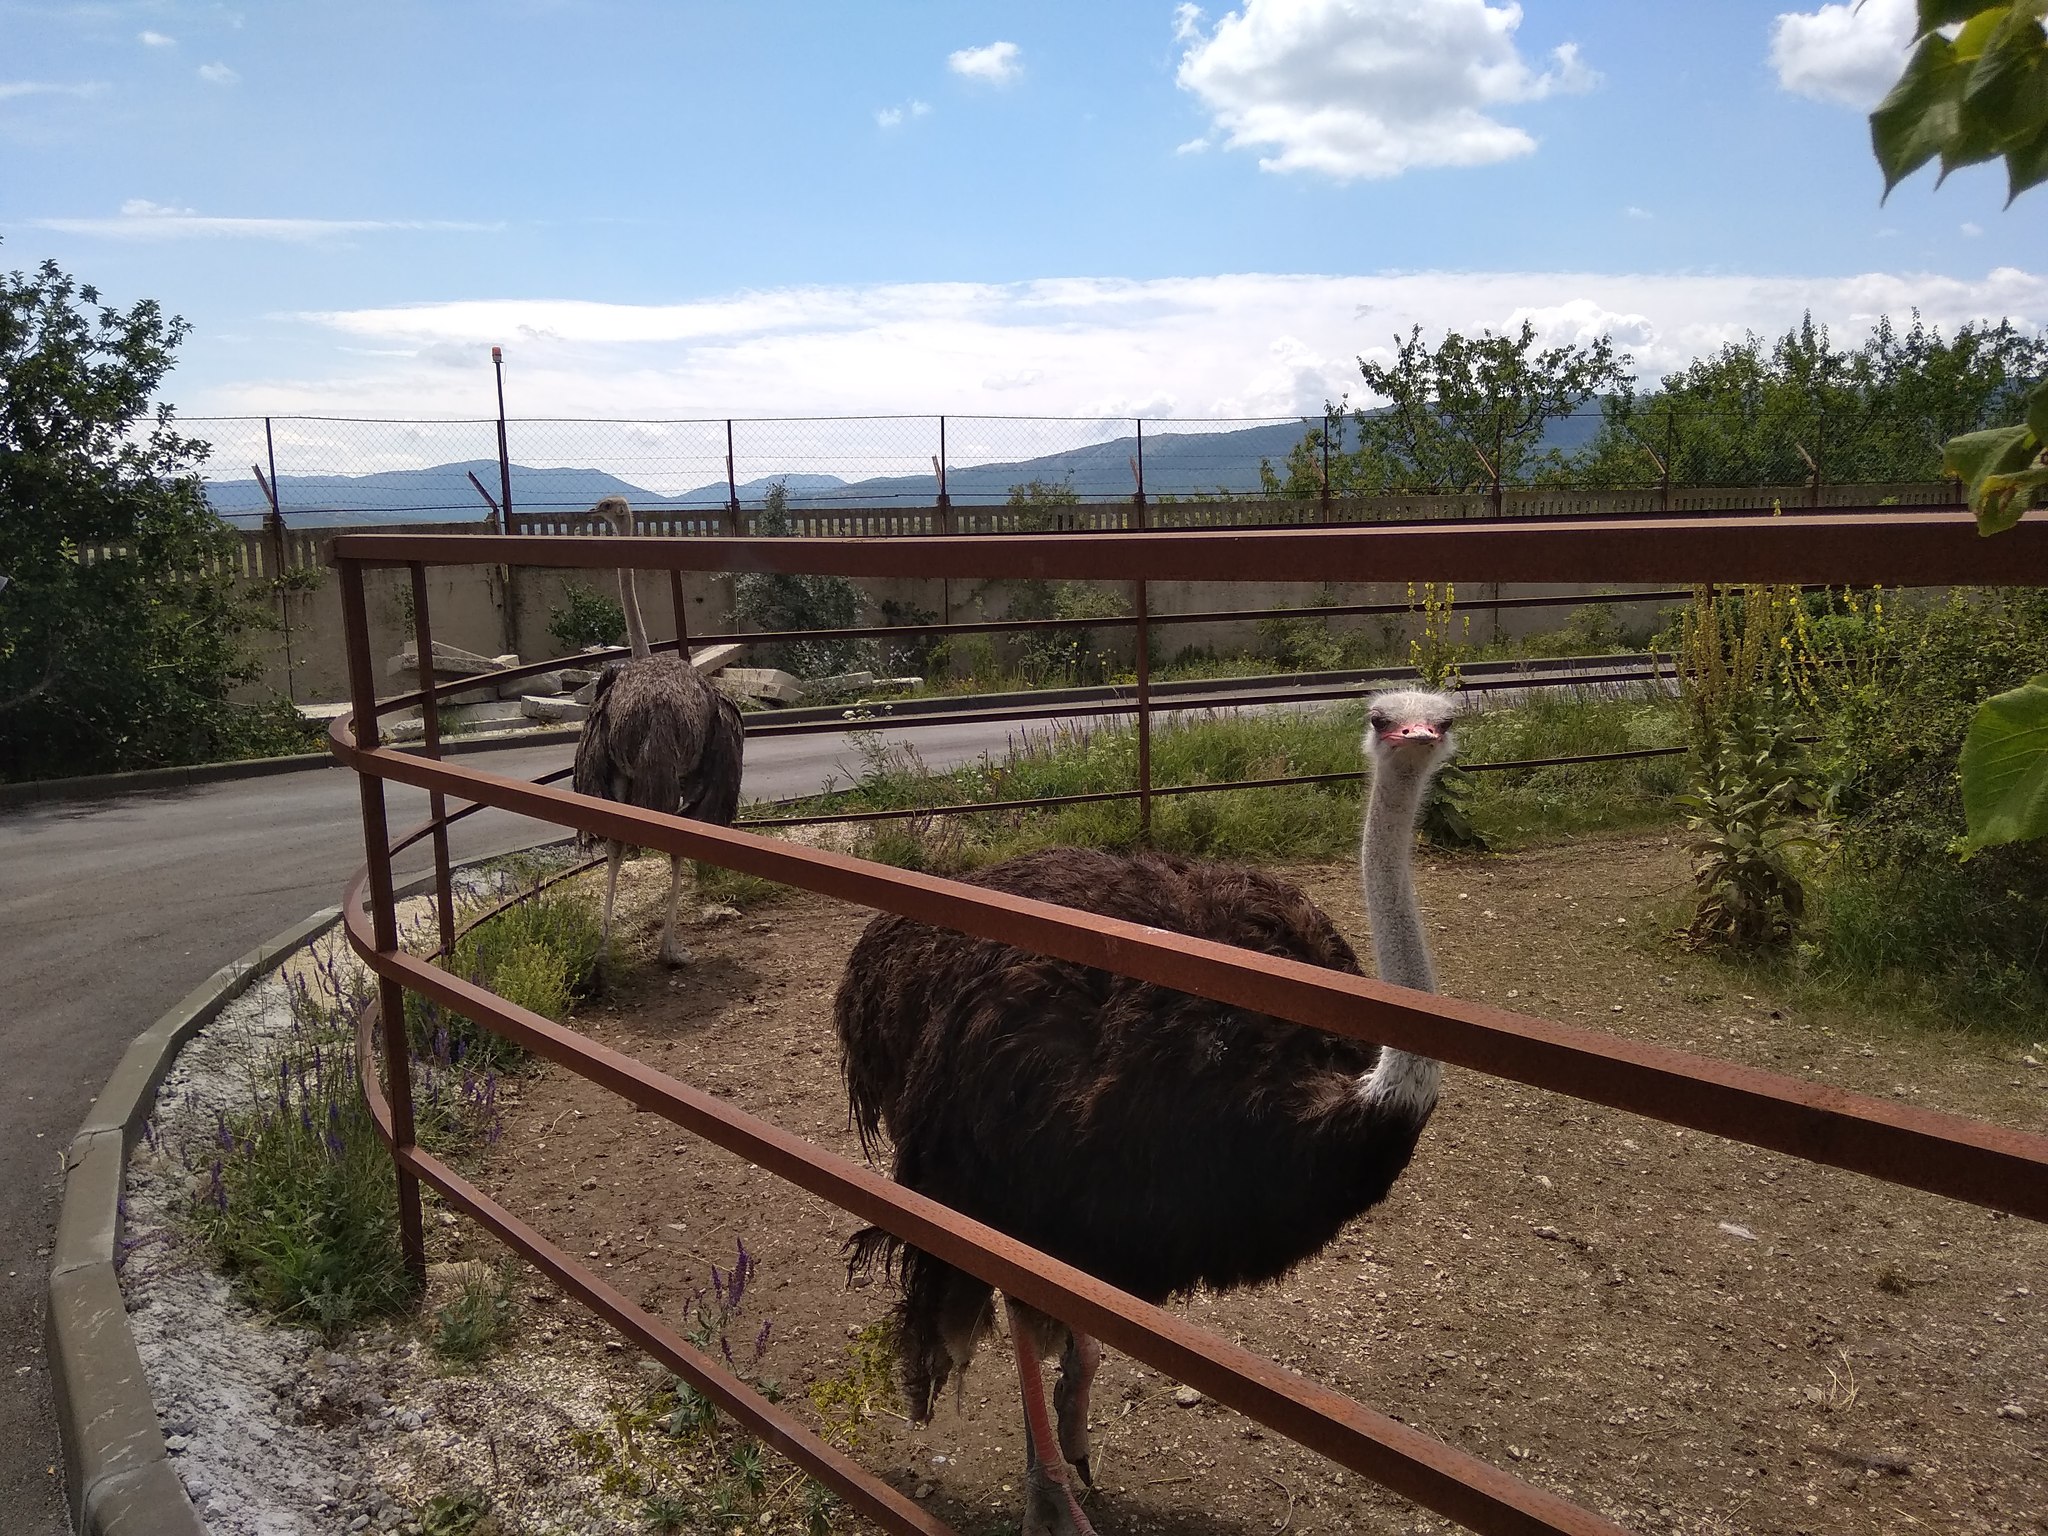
x,y
1157,1140
659,737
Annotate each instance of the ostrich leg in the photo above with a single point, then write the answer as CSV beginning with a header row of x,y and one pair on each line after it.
x,y
615,855
1070,1400
672,952
1050,1506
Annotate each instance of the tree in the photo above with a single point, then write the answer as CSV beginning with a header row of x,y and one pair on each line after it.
x,y
1471,413
780,601
1981,94
1799,408
121,626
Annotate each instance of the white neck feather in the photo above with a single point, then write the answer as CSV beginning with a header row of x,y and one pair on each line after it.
x,y
1400,1083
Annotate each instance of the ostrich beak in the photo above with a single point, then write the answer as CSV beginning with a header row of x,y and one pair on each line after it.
x,y
1411,730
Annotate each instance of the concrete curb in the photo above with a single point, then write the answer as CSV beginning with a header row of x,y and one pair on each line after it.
x,y
118,1476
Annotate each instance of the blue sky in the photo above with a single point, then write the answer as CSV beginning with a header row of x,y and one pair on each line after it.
x,y
694,209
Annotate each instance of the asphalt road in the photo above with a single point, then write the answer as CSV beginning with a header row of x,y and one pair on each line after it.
x,y
112,910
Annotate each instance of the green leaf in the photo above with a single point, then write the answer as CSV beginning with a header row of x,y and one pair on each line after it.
x,y
1998,502
2037,410
1994,451
1945,13
2006,92
1921,114
2026,164
2005,767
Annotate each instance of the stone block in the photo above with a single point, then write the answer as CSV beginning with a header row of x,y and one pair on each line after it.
x,y
769,683
554,711
545,684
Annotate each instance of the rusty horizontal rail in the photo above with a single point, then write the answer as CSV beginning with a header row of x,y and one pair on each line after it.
x,y
1858,547
1403,1459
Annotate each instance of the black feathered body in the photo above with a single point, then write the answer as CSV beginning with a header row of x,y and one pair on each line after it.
x,y
1156,1140
660,737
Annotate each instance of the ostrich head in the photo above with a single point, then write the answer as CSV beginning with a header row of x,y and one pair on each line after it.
x,y
1408,735
618,511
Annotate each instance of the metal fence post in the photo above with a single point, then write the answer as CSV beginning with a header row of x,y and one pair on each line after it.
x,y
733,525
1323,495
504,443
1138,518
273,524
430,742
362,679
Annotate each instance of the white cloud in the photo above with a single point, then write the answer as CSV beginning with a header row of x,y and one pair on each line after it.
x,y
1848,54
893,117
1191,147
1369,88
1187,22
155,40
141,219
1255,344
218,74
9,89
1633,212
997,63
1972,229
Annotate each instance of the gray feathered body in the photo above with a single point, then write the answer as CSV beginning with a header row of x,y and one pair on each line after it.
x,y
661,738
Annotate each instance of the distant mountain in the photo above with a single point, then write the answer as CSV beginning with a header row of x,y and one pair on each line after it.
x,y
1178,463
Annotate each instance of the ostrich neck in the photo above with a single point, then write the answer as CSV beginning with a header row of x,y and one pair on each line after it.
x,y
636,628
1401,1083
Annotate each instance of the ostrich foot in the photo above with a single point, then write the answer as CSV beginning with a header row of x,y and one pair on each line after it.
x,y
1070,1400
1051,1505
673,953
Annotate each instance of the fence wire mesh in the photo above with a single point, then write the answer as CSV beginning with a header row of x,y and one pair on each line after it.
x,y
686,475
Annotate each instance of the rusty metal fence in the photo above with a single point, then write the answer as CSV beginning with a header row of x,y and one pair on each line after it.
x,y
1968,1160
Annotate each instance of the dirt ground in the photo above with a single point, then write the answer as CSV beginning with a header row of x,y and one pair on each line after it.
x,y
1684,1334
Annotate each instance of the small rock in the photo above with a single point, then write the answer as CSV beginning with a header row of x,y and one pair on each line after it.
x,y
1742,1232
924,1491
590,1183
448,1218
410,1419
176,1443
1186,1397
717,912
360,1523
2012,1411
260,1433
1548,1234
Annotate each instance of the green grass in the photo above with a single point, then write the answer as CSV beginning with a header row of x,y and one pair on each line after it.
x,y
1294,822
540,954
476,1321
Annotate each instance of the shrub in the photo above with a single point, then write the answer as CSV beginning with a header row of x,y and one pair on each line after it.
x,y
539,954
586,617
1752,800
772,601
299,1205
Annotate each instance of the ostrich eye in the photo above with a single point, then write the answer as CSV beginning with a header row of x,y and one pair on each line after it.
x,y
1378,722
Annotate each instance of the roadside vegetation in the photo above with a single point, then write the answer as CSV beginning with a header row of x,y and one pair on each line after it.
x,y
295,1195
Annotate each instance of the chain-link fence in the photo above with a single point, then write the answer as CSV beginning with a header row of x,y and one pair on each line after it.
x,y
688,475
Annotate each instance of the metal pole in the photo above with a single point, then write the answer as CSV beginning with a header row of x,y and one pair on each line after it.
x,y
1138,518
504,446
678,603
362,679
1143,640
945,521
1324,496
732,488
430,739
274,521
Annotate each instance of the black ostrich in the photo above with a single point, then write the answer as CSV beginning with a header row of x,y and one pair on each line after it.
x,y
658,737
1156,1140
